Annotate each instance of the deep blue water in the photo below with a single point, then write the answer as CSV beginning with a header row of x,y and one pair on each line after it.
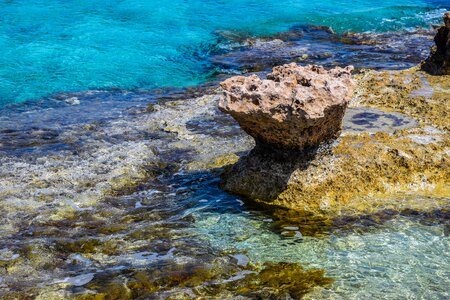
x,y
50,46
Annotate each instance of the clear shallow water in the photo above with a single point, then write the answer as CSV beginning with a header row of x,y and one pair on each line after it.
x,y
70,229
55,46
399,259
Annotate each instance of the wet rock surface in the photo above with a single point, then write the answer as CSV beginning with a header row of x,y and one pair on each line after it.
x,y
320,45
438,63
295,108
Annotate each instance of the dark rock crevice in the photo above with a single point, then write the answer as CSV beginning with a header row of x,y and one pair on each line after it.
x,y
265,172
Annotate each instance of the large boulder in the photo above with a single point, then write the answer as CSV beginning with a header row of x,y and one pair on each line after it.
x,y
438,63
295,108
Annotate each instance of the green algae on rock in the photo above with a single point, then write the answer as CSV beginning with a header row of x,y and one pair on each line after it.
x,y
224,280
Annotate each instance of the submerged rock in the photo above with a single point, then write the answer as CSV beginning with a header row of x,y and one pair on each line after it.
x,y
315,44
295,108
438,63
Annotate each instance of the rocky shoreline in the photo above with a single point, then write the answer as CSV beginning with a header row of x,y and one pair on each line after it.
x,y
414,158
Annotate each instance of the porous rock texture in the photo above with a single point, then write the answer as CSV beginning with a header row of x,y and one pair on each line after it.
x,y
438,63
295,108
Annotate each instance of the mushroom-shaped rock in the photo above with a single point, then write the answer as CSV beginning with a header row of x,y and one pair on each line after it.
x,y
295,108
438,63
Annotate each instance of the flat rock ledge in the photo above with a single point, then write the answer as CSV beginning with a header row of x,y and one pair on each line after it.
x,y
438,63
294,109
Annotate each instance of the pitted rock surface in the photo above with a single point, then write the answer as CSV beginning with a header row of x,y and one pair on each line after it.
x,y
295,108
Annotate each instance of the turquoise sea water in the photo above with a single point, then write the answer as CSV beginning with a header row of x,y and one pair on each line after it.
x,y
49,46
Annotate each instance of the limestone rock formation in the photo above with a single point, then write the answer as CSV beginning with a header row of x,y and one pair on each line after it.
x,y
366,171
439,61
295,108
